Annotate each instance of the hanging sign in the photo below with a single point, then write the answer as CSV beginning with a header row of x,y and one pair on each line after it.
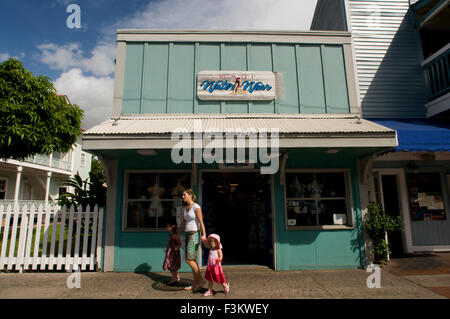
x,y
236,85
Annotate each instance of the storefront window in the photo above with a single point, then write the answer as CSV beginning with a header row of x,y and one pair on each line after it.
x,y
154,199
316,199
425,196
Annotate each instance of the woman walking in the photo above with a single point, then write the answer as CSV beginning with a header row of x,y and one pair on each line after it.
x,y
192,224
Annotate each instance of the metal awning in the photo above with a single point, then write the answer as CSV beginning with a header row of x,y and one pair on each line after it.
x,y
419,135
294,130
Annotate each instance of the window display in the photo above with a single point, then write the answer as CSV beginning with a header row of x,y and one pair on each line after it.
x,y
316,199
425,196
154,199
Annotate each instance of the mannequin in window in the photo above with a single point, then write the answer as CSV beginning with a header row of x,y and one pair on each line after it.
x,y
296,188
155,192
176,193
316,188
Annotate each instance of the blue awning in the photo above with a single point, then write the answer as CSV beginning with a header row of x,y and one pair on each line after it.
x,y
419,134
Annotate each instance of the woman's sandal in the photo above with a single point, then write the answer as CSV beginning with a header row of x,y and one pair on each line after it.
x,y
173,281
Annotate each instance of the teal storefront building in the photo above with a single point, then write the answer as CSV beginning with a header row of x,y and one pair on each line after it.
x,y
280,185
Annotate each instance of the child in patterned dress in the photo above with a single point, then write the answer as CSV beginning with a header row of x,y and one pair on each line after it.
x,y
214,271
172,260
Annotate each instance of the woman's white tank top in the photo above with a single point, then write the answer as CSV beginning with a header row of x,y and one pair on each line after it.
x,y
192,224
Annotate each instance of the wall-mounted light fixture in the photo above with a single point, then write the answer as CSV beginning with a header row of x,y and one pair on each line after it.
x,y
331,151
412,166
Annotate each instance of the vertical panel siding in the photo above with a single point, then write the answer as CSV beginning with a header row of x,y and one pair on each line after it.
x,y
260,59
388,59
182,79
334,78
286,63
154,92
208,58
161,77
133,75
234,58
311,80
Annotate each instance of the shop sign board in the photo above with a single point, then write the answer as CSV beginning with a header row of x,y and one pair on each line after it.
x,y
236,85
236,165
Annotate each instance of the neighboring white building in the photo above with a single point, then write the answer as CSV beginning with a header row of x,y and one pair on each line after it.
x,y
40,179
402,57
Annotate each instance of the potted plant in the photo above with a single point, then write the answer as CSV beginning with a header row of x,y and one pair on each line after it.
x,y
377,224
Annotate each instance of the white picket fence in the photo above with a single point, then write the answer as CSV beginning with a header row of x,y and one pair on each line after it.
x,y
39,228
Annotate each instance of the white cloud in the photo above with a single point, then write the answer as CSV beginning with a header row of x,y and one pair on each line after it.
x,y
6,56
223,14
67,56
88,79
93,94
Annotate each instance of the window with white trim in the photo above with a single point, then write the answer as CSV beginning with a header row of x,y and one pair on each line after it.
x,y
83,159
3,188
153,199
317,198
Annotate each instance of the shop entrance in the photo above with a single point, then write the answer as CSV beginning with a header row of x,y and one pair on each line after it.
x,y
392,208
388,196
237,206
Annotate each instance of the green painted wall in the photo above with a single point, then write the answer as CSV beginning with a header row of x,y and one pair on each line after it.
x,y
141,251
300,249
316,249
161,77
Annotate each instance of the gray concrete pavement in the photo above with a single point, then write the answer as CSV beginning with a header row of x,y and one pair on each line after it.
x,y
246,283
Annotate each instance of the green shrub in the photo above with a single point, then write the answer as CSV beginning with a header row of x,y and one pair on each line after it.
x,y
377,223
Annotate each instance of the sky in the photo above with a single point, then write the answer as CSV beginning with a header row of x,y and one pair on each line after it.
x,y
79,58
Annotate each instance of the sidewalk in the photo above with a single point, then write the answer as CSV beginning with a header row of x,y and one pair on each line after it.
x,y
245,283
431,271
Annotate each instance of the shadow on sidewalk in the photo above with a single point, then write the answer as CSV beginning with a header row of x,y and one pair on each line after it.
x,y
420,264
161,282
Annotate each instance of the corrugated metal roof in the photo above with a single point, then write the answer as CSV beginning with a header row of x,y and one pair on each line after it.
x,y
285,123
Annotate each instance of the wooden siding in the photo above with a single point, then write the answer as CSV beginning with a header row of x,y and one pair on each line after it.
x,y
160,77
388,57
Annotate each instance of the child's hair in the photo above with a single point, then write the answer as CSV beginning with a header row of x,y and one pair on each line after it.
x,y
172,228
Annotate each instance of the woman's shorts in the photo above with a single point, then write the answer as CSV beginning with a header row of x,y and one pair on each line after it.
x,y
192,242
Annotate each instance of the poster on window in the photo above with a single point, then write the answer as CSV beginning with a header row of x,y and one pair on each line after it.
x,y
425,197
